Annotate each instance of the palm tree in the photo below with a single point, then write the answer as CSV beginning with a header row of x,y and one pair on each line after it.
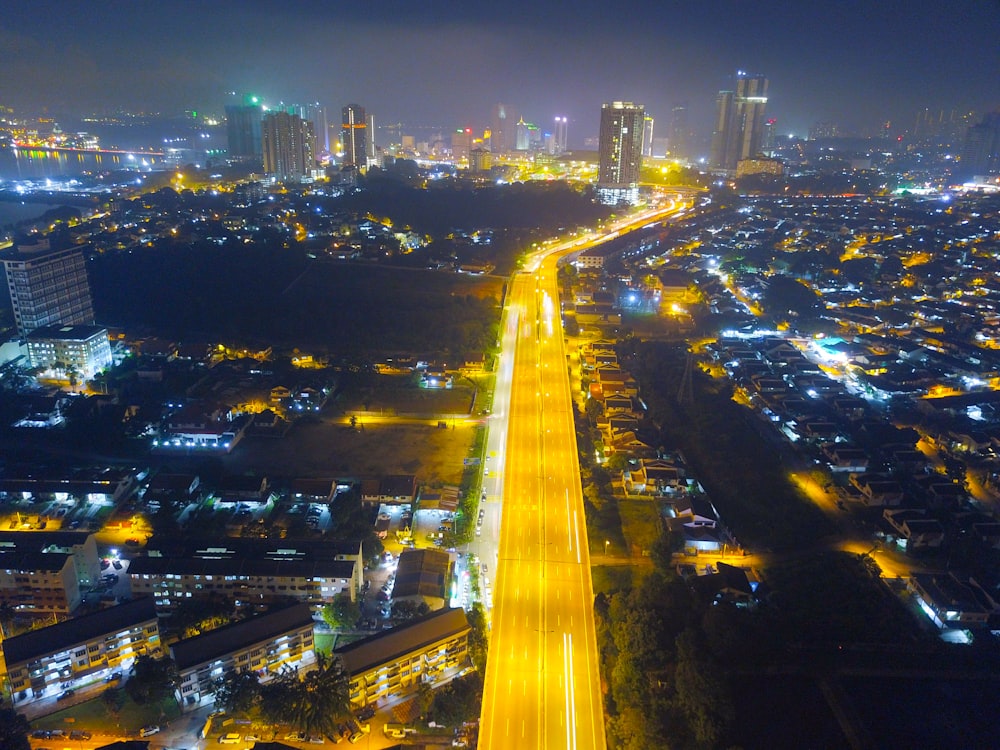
x,y
322,699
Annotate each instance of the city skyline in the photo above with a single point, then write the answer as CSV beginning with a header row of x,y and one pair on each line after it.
x,y
854,64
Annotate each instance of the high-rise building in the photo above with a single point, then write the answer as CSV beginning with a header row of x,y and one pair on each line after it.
x,y
503,129
370,132
679,138
560,135
287,142
354,136
981,150
620,150
243,129
647,135
47,286
739,121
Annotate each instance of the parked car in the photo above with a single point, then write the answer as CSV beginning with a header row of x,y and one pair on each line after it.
x,y
78,735
113,676
149,731
229,739
66,694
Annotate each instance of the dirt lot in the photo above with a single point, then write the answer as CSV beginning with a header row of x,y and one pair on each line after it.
x,y
326,449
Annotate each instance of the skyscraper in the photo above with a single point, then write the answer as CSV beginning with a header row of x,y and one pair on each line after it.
x,y
679,137
47,286
370,133
560,135
243,123
647,135
503,129
354,136
288,144
981,150
620,151
739,121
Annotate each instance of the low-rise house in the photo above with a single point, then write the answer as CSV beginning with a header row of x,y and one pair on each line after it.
x,y
393,663
915,531
951,602
262,645
845,457
878,490
41,661
392,489
423,575
653,477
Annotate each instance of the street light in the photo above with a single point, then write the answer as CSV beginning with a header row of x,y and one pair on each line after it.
x,y
606,543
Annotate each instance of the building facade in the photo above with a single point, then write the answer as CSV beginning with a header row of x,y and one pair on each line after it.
x,y
620,148
68,349
47,286
739,123
354,136
41,662
262,645
287,142
249,584
44,571
243,130
395,662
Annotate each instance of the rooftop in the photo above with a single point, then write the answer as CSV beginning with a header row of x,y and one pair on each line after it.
x,y
231,638
387,647
55,638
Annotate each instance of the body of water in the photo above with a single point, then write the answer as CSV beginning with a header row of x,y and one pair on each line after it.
x,y
39,164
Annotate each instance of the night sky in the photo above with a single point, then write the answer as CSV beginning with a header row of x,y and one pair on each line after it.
x,y
446,63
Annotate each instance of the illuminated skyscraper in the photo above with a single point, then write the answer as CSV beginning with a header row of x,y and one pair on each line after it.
x,y
647,135
560,135
354,136
370,133
287,142
47,286
739,121
243,129
620,151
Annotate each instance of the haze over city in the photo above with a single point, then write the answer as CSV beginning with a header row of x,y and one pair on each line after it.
x,y
598,376
446,63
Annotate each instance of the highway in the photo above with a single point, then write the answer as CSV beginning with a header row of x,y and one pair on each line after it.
x,y
542,687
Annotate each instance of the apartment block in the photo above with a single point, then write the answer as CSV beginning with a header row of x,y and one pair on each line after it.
x,y
46,661
394,662
263,645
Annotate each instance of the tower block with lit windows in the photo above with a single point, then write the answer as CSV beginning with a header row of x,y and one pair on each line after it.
x,y
620,152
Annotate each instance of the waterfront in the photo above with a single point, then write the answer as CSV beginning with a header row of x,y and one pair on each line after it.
x,y
40,164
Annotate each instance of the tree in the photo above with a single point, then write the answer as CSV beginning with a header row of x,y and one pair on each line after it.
x,y
113,699
152,679
407,610
316,704
478,637
460,700
341,613
14,728
701,691
237,692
